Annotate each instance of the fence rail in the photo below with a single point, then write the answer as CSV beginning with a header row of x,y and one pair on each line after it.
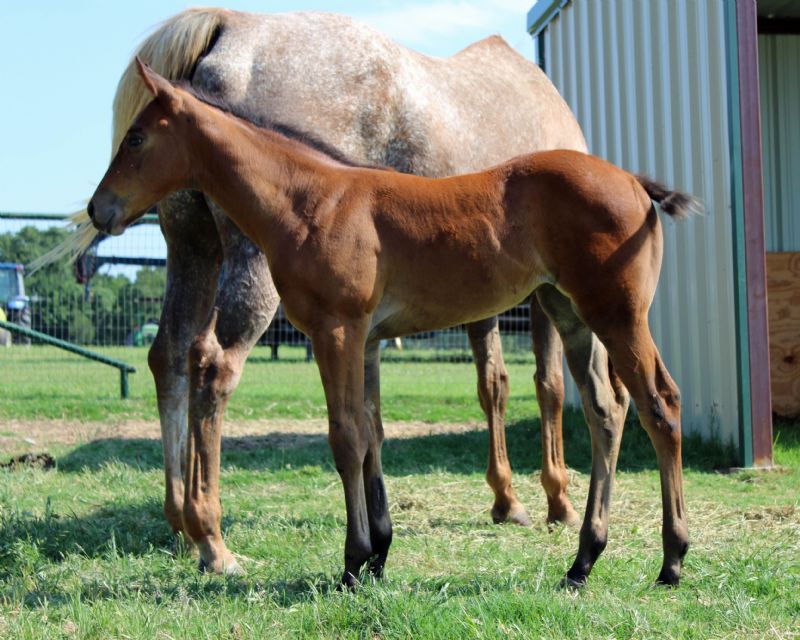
x,y
120,305
124,368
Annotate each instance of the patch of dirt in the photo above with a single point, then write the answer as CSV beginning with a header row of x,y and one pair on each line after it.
x,y
35,460
26,435
778,513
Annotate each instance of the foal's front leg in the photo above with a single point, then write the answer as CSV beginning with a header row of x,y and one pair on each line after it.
x,y
380,522
339,350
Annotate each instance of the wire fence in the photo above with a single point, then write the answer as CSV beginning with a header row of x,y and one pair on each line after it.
x,y
119,300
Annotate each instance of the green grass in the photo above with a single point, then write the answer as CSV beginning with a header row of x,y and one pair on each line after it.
x,y
84,552
51,384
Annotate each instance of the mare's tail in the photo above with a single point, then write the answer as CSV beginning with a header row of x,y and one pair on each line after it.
x,y
674,203
172,51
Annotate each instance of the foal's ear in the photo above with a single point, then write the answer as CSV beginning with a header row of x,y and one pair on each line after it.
x,y
161,88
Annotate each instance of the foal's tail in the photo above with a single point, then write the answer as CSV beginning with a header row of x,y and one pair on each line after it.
x,y
172,50
674,203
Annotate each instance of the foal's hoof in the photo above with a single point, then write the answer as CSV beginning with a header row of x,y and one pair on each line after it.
x,y
515,514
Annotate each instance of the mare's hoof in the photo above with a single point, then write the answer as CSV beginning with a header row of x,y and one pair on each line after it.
x,y
569,518
571,584
227,567
516,514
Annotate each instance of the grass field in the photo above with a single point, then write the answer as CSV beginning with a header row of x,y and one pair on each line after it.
x,y
48,383
84,552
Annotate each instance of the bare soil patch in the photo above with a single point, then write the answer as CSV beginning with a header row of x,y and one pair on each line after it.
x,y
21,436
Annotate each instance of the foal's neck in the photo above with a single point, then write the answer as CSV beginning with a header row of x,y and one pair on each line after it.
x,y
258,176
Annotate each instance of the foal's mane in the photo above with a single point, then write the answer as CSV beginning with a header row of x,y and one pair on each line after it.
x,y
304,139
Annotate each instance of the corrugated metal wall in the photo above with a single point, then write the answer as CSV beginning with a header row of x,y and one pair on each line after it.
x,y
779,71
647,81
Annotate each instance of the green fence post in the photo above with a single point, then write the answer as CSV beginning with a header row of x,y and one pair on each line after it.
x,y
124,367
123,382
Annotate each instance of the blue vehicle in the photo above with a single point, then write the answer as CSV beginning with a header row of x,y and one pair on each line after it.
x,y
12,296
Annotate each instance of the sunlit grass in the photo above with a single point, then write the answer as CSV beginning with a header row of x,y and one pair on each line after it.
x,y
84,551
44,382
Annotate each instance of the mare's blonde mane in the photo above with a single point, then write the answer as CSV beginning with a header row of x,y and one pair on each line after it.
x,y
172,51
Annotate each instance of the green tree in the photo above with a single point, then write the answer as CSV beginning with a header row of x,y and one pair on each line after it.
x,y
105,313
55,295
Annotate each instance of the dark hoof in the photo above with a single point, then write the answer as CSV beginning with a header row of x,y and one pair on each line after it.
x,y
668,579
348,583
376,567
572,584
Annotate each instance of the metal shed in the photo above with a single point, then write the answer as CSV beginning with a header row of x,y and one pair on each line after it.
x,y
670,88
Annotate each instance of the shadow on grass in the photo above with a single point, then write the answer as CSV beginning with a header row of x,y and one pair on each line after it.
x,y
115,529
177,587
454,453
127,528
30,542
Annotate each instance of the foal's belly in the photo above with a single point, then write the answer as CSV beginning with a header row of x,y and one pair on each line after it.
x,y
440,300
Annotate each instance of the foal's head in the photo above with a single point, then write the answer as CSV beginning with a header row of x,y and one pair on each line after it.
x,y
152,161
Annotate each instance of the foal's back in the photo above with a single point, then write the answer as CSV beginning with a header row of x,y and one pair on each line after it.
x,y
484,241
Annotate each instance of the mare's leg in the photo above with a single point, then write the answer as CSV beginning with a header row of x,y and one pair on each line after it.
x,y
484,338
380,522
339,350
550,394
193,258
245,304
605,403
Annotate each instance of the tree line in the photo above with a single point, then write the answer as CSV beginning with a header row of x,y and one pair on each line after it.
x,y
106,312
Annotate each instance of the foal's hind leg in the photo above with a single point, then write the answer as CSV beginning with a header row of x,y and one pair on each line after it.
x,y
380,522
550,395
193,258
605,403
246,302
487,350
639,365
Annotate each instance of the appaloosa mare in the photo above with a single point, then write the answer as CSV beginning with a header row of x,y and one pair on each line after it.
x,y
360,254
373,101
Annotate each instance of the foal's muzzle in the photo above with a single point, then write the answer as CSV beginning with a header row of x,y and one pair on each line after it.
x,y
106,213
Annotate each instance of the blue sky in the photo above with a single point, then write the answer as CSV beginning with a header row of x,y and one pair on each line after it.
x,y
60,63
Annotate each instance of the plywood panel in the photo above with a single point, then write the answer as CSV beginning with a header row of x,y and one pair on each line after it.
x,y
783,291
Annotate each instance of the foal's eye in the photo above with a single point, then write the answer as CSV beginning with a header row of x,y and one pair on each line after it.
x,y
134,140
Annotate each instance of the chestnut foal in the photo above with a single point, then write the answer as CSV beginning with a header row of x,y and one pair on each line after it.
x,y
360,254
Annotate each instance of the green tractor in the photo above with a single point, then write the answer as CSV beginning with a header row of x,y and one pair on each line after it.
x,y
14,304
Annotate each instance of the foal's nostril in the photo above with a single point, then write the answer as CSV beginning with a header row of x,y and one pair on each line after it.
x,y
90,210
